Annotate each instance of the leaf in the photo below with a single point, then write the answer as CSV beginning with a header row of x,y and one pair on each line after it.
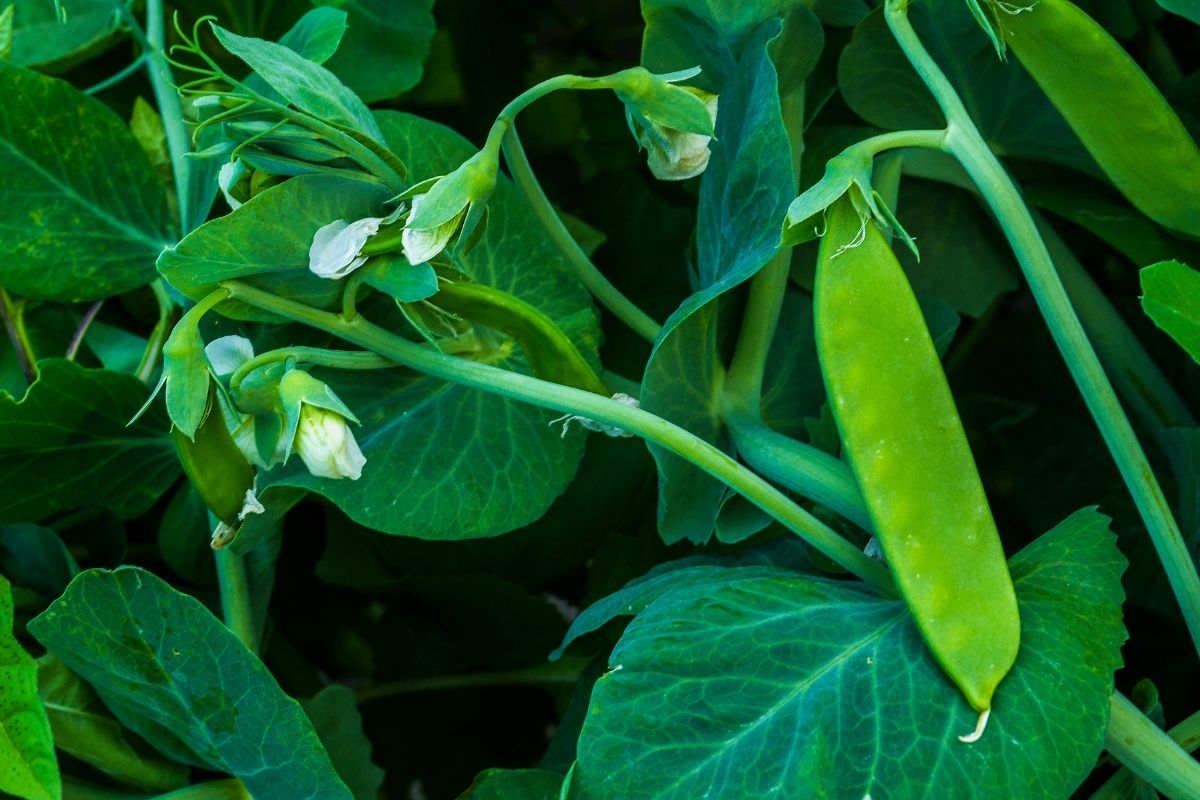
x,y
265,243
67,444
183,537
303,83
84,214
41,39
755,683
880,86
965,262
1184,8
36,558
85,730
444,461
515,784
28,768
385,46
744,195
6,32
171,672
1171,297
335,717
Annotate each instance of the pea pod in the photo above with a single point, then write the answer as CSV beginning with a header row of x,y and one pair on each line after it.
x,y
1119,115
907,448
217,469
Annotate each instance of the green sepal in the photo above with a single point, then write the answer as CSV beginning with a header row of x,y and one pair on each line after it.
x,y
471,184
658,100
298,388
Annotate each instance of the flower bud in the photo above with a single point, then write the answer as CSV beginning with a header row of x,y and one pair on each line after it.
x,y
454,204
673,154
326,444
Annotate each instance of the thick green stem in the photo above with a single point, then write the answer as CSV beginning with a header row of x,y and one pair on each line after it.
x,y
800,467
565,399
235,597
605,293
1122,785
339,359
1150,753
997,188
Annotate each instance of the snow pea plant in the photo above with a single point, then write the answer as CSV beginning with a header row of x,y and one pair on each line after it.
x,y
793,430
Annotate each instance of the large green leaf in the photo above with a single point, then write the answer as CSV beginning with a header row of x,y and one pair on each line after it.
x,y
176,676
878,83
335,717
85,730
265,243
36,558
744,195
41,39
67,444
82,213
28,768
385,46
443,461
771,684
1171,297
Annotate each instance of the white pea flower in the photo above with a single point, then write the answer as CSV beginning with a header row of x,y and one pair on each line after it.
x,y
422,244
334,253
227,353
230,175
675,155
327,445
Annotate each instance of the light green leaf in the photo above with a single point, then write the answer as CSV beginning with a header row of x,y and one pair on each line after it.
x,y
1171,297
334,715
265,243
6,32
42,40
385,46
878,83
753,682
66,445
515,784
82,213
28,768
393,275
304,83
36,558
84,729
171,672
444,461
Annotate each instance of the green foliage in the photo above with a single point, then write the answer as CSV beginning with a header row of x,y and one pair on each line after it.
x,y
1171,297
85,215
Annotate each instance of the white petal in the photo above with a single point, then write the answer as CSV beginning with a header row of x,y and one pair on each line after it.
x,y
422,244
228,353
682,156
334,250
326,445
231,172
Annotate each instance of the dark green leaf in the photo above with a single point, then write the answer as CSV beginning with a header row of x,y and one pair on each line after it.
x,y
1185,8
265,243
443,461
393,275
385,46
66,444
176,676
335,717
515,784
744,195
41,40
773,684
83,213
1171,297
84,729
880,86
34,557
28,768
183,537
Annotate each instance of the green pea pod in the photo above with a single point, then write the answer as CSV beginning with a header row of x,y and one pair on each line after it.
x,y
1118,114
907,448
551,354
217,469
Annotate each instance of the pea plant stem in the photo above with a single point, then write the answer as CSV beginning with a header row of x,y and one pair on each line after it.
x,y
566,671
12,313
158,335
965,143
1121,785
1150,752
565,399
601,288
341,359
235,596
